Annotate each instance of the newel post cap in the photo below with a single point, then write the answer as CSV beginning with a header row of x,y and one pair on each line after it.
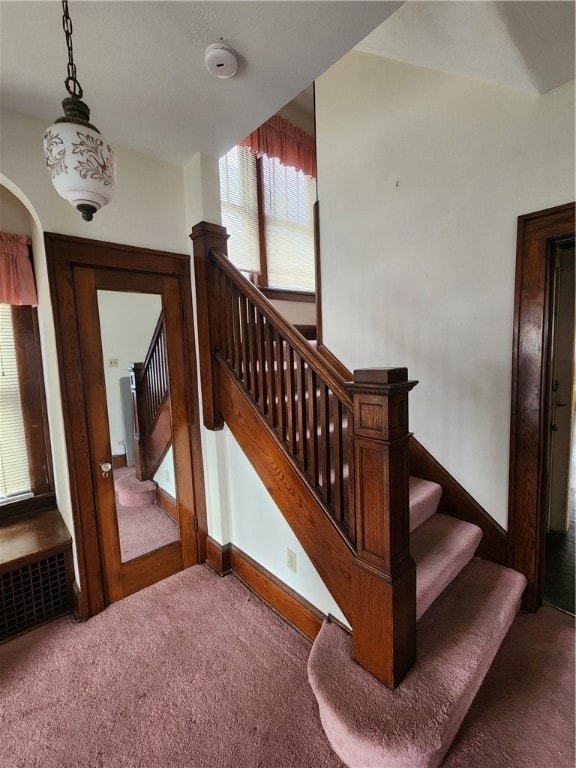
x,y
382,380
207,228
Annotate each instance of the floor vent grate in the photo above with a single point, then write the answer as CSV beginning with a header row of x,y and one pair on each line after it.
x,y
32,594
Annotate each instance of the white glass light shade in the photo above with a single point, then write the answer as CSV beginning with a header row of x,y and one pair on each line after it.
x,y
82,166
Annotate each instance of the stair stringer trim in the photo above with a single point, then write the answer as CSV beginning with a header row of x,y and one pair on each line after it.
x,y
159,438
325,545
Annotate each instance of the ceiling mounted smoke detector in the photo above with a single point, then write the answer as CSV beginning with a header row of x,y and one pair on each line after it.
x,y
220,60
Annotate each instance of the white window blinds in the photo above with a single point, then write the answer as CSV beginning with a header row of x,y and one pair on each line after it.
x,y
14,472
289,198
239,201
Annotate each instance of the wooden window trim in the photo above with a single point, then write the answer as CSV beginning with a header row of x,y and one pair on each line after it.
x,y
281,294
34,412
261,279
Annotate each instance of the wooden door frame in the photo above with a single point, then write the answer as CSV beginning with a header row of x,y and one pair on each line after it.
x,y
63,254
537,234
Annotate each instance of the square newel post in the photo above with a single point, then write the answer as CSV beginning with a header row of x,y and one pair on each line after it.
x,y
384,574
205,237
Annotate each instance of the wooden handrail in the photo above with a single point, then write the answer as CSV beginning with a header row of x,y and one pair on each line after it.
x,y
149,388
158,331
302,398
149,380
322,367
346,439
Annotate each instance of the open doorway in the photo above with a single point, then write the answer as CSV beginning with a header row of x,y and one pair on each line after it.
x,y
559,572
535,405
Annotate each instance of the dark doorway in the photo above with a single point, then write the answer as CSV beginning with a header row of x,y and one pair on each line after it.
x,y
541,236
559,571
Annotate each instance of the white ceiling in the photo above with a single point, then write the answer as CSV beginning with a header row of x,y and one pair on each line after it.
x,y
524,45
141,63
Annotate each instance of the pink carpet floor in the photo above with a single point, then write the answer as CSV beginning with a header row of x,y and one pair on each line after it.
x,y
144,529
195,672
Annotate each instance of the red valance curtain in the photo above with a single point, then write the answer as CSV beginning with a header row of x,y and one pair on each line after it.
x,y
17,284
279,138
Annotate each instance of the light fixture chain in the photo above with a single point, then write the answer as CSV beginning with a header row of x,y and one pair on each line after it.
x,y
72,85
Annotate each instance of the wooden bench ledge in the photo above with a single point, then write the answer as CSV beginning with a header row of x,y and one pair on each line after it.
x,y
31,536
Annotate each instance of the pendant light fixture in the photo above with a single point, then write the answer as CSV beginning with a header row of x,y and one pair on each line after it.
x,y
82,165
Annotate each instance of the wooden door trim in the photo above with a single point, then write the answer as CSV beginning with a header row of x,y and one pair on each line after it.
x,y
537,233
63,254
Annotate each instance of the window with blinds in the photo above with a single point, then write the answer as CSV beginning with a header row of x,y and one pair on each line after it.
x,y
239,200
14,472
285,224
289,198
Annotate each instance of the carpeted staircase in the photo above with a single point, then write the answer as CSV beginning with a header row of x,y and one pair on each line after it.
x,y
131,491
464,608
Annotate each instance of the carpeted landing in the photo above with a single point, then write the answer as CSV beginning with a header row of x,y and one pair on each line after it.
x,y
195,672
142,525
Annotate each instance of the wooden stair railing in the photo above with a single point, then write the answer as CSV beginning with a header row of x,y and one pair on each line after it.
x,y
151,405
332,453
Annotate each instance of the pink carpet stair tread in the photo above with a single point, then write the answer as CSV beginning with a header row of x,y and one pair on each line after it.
x,y
133,492
464,607
413,726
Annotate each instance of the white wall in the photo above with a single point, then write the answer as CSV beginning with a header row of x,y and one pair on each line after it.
x,y
147,211
147,208
296,312
13,215
260,530
165,476
421,177
202,202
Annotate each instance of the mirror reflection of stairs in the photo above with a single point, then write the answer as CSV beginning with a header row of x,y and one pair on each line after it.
x,y
143,526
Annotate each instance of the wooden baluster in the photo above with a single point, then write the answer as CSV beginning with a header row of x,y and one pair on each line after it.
x,y
160,359
230,323
137,407
324,451
253,347
384,574
245,344
280,387
291,425
312,422
205,237
236,340
337,453
153,376
347,519
271,375
300,378
163,365
261,347
225,317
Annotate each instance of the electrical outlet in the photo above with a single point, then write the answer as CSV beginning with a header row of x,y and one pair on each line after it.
x,y
113,362
291,560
